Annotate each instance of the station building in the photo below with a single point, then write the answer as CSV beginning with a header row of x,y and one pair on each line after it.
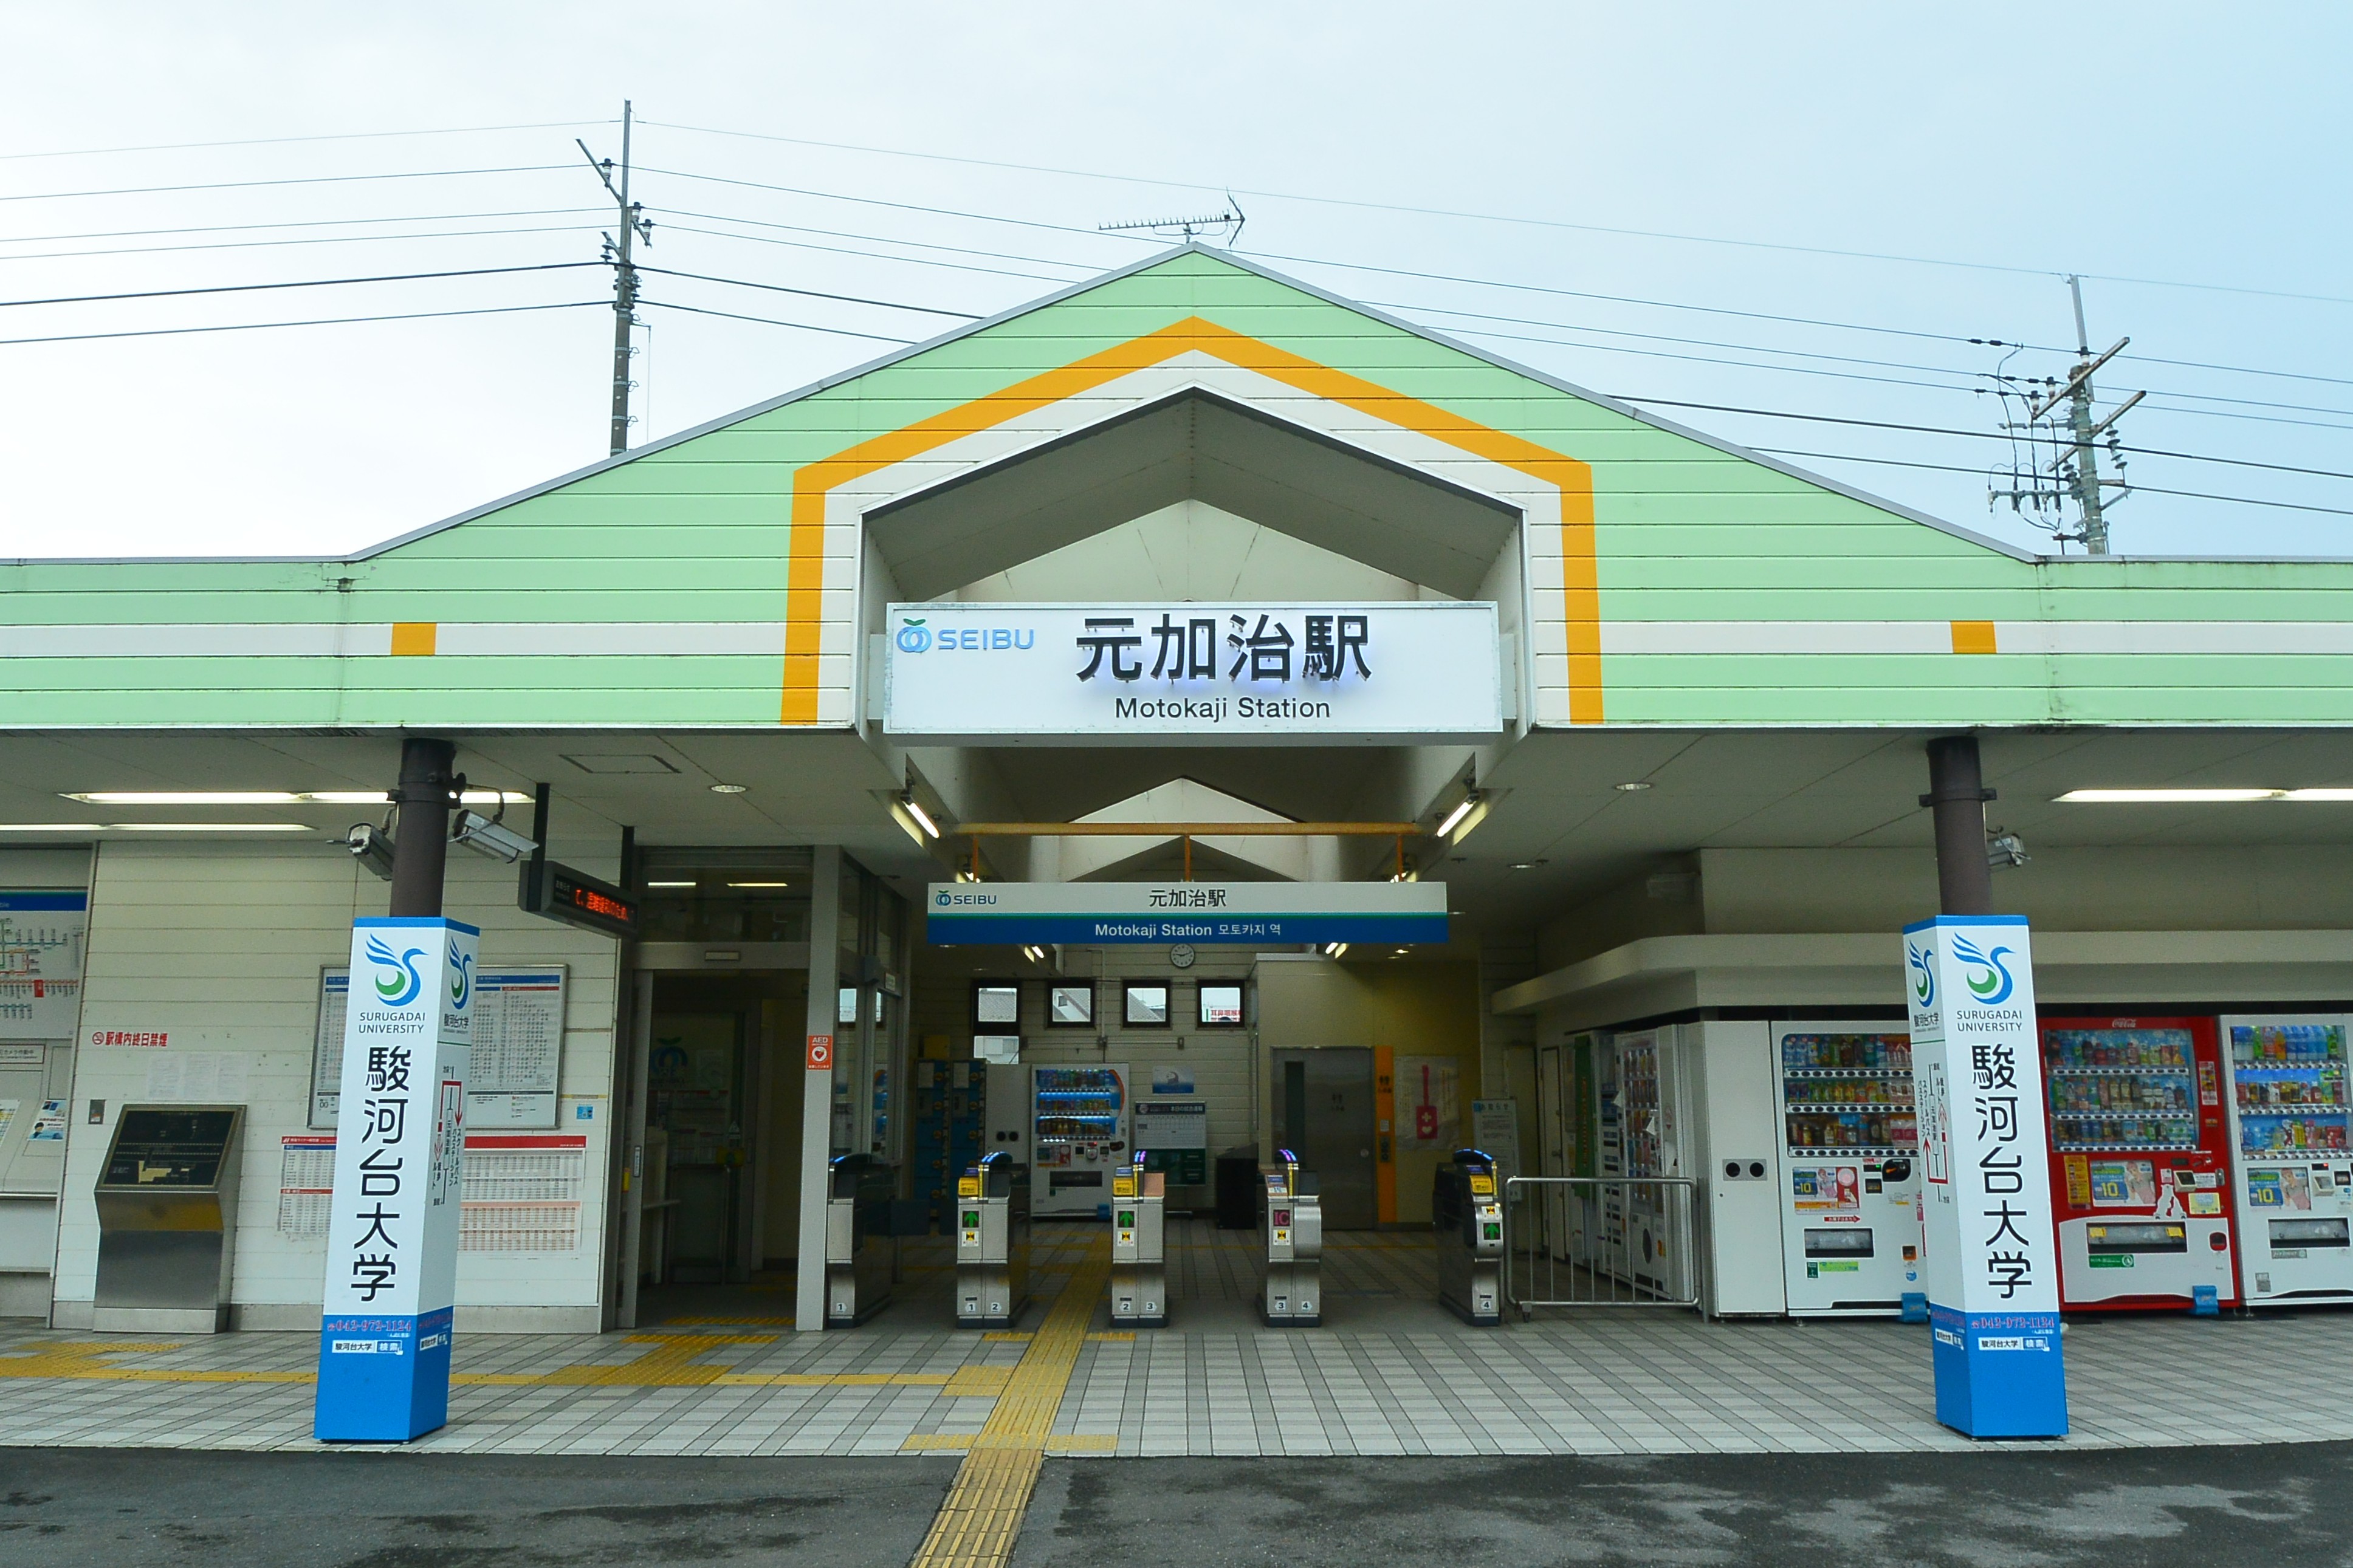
x,y
1674,798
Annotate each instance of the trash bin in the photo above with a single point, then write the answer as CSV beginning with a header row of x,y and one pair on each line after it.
x,y
1237,1189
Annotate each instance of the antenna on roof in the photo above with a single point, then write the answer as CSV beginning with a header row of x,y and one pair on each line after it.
x,y
1231,220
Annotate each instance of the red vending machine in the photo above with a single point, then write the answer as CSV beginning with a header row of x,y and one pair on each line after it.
x,y
2140,1162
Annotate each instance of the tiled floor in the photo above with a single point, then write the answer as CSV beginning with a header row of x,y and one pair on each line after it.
x,y
1390,1372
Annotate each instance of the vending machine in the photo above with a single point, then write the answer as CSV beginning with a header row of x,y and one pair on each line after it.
x,y
1645,1227
1850,1167
2139,1162
1079,1137
2294,1170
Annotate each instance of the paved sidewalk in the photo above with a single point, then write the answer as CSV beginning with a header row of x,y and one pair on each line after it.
x,y
1391,1374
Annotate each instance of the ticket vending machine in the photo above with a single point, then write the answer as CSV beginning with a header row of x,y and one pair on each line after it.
x,y
167,1219
1139,1272
992,1283
860,1252
1467,1212
1293,1295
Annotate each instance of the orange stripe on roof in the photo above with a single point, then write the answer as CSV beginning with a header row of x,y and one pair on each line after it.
x,y
813,483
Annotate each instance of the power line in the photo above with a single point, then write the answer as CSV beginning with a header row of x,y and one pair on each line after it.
x,y
846,250
261,184
895,206
282,141
2144,489
300,283
310,240
1084,267
813,293
772,321
322,322
304,223
2012,269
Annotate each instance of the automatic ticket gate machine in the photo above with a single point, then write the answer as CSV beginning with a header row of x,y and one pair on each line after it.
x,y
167,1219
1467,1210
1294,1247
1139,1272
992,1283
860,1254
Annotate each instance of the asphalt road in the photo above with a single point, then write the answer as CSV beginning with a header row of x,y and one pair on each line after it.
x,y
2209,1508
101,1508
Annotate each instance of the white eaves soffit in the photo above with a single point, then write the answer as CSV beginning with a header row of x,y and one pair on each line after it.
x,y
1196,428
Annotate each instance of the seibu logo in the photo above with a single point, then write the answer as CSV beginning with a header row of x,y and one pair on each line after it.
x,y
914,637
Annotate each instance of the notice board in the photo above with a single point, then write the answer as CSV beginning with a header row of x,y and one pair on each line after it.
x,y
518,1056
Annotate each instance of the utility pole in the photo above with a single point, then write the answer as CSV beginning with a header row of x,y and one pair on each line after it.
x,y
2079,465
634,226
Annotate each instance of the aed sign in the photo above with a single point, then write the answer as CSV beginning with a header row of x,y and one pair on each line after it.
x,y
1113,913
1241,674
1990,1264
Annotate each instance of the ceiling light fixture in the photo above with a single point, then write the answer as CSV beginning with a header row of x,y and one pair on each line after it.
x,y
1458,814
52,828
670,884
274,797
1525,865
1335,949
1034,954
729,789
922,818
759,884
207,827
1633,786
2169,797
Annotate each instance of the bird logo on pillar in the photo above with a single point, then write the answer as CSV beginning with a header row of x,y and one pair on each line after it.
x,y
1924,982
1993,988
821,1053
399,988
461,976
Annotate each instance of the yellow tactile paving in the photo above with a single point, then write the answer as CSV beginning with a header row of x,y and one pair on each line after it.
x,y
982,1514
81,1362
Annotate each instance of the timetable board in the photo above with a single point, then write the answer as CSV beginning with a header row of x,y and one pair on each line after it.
x,y
518,1054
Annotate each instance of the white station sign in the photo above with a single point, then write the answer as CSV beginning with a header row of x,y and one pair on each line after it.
x,y
1242,674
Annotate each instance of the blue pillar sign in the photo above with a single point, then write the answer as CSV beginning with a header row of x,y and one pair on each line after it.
x,y
1991,1263
392,1235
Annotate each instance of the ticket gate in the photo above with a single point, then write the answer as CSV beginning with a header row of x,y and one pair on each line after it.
x,y
1139,1272
1294,1247
166,1200
992,1283
861,1255
1466,1211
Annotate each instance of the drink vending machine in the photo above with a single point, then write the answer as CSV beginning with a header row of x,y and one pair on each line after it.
x,y
2292,1177
1079,1138
1646,1225
1851,1164
2139,1178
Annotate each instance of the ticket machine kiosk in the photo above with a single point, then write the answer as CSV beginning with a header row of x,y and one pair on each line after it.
x,y
1294,1297
167,1219
1139,1273
1468,1213
992,1235
860,1252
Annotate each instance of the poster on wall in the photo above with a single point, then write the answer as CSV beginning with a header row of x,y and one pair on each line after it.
x,y
41,938
518,1047
1429,1115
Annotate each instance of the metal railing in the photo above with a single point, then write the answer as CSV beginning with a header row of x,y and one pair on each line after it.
x,y
1599,1241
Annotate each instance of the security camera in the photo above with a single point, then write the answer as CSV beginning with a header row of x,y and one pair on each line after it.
x,y
2005,850
484,836
371,848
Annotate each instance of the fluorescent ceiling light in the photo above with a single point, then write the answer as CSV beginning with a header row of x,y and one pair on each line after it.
x,y
52,828
922,819
1458,814
2319,794
207,827
2166,796
670,884
756,884
274,797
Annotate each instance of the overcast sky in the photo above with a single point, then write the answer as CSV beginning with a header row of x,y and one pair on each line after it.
x,y
2189,163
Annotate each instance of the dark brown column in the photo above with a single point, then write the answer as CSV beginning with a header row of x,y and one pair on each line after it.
x,y
1957,793
420,845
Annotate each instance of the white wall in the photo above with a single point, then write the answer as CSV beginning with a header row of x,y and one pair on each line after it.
x,y
220,947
